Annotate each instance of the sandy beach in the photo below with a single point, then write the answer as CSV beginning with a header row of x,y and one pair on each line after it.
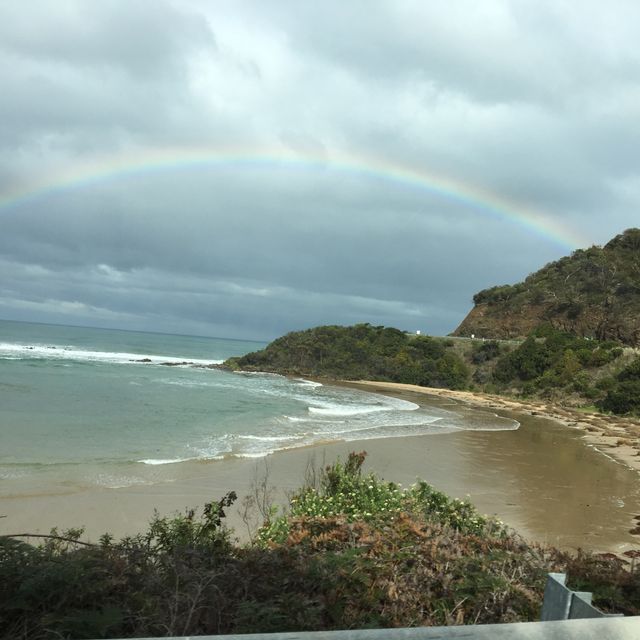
x,y
549,482
616,436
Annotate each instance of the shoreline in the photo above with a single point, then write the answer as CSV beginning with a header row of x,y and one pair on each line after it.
x,y
614,436
540,479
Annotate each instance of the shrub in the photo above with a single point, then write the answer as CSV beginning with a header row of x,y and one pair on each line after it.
x,y
354,552
486,351
144,585
623,392
623,398
549,361
345,492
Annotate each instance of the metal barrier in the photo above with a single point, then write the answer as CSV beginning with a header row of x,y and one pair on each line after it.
x,y
589,629
560,603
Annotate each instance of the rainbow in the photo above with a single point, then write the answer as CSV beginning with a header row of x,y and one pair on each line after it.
x,y
120,166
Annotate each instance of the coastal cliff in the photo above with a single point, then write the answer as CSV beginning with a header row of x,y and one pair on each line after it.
x,y
593,293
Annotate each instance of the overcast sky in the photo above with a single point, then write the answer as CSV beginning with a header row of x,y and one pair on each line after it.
x,y
535,104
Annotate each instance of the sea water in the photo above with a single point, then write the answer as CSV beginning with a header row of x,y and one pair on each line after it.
x,y
81,407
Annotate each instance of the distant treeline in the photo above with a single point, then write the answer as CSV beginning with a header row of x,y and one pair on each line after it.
x,y
361,352
557,365
551,363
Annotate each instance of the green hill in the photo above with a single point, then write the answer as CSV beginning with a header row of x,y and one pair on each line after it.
x,y
593,293
564,334
361,352
550,364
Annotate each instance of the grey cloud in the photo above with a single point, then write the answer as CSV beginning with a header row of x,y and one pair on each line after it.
x,y
534,102
84,77
172,301
144,38
497,52
525,82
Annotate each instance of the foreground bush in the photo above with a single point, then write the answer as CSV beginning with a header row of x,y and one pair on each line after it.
x,y
353,552
343,491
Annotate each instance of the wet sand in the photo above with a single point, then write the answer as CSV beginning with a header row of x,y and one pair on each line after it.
x,y
616,436
542,479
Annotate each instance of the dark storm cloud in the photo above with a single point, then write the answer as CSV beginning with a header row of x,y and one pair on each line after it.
x,y
536,102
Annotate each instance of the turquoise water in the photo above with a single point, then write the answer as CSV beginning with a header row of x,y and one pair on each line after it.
x,y
85,407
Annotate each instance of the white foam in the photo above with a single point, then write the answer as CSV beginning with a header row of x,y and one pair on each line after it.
x,y
351,405
346,409
265,374
342,410
372,434
185,383
58,352
418,423
314,420
158,461
119,482
514,425
254,454
309,383
12,474
266,438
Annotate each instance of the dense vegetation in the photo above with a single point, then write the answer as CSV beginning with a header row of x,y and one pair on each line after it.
x,y
554,364
352,552
361,352
622,391
593,293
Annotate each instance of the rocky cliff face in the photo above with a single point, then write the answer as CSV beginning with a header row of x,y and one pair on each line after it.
x,y
593,293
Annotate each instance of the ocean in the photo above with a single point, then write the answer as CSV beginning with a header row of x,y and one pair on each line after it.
x,y
86,407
